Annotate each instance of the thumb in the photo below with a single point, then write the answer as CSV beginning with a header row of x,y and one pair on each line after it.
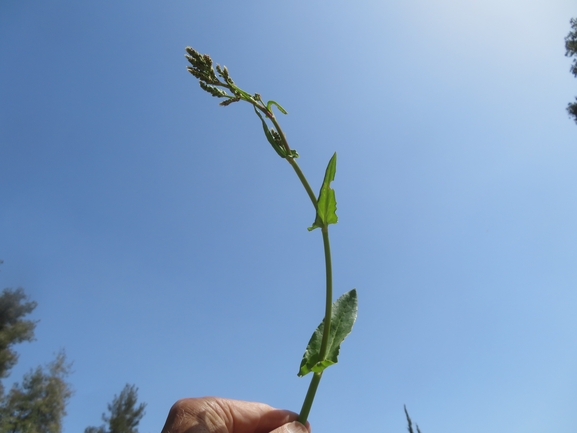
x,y
292,427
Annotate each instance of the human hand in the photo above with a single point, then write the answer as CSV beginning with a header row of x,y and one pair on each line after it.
x,y
220,415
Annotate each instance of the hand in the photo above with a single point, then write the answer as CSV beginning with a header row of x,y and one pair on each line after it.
x,y
220,415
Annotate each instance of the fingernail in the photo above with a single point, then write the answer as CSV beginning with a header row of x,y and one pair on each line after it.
x,y
296,427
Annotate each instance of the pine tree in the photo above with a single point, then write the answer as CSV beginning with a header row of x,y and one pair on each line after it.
x,y
39,403
14,305
124,416
571,51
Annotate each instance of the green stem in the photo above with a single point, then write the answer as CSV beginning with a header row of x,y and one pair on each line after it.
x,y
303,180
257,102
272,117
329,294
308,403
290,160
309,398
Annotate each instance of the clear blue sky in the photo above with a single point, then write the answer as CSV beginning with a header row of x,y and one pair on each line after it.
x,y
166,245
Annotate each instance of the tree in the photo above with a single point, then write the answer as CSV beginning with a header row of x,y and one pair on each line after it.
x,y
571,51
124,415
39,404
14,305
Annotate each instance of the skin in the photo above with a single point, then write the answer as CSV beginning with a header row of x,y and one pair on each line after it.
x,y
220,415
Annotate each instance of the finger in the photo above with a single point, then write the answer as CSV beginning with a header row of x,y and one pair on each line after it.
x,y
248,417
293,427
218,415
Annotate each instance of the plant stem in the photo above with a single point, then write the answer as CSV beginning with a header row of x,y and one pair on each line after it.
x,y
290,160
329,294
203,70
309,398
303,180
308,403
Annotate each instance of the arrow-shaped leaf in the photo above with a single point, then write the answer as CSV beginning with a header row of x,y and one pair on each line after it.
x,y
343,317
327,202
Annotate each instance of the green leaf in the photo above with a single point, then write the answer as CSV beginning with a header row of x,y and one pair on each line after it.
x,y
274,143
269,105
327,203
343,317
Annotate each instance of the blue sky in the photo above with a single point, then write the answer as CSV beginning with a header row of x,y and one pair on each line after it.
x,y
166,245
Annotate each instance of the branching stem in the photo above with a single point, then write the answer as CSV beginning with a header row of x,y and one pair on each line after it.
x,y
309,398
201,67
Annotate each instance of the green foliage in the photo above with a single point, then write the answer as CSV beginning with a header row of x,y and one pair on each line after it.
x,y
124,415
327,202
324,346
273,137
571,45
14,305
344,314
39,403
571,51
100,429
201,67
